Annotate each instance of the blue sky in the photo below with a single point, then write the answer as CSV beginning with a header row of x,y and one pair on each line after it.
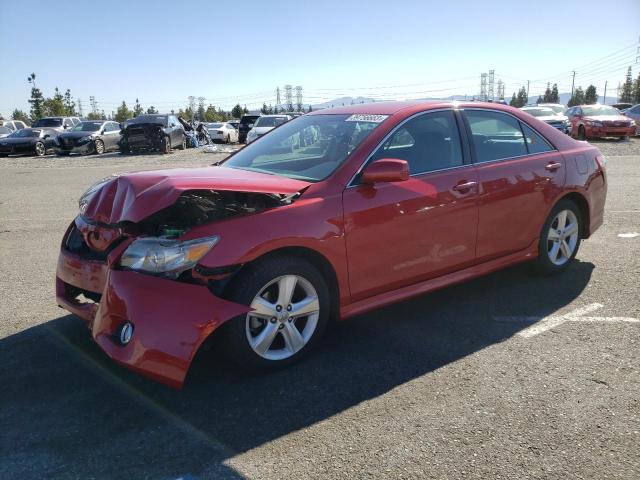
x,y
163,51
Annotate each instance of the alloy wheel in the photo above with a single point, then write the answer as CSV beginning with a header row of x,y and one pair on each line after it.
x,y
562,237
284,317
40,150
99,147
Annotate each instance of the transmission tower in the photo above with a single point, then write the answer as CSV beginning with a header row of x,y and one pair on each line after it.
x,y
483,87
94,105
491,96
192,103
299,98
500,90
288,97
80,107
200,107
278,99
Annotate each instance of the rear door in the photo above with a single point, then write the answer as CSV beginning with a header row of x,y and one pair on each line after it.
x,y
401,233
520,175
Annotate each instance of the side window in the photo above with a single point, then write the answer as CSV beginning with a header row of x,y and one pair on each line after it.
x,y
495,135
68,123
577,111
535,143
428,142
569,112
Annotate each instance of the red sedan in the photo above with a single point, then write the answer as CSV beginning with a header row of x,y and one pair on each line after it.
x,y
598,121
330,215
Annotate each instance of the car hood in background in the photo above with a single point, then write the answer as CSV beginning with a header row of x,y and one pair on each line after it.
x,y
74,135
19,141
553,118
135,196
262,130
607,118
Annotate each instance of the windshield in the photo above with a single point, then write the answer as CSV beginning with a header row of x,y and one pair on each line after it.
x,y
540,112
308,148
601,110
270,121
48,122
87,127
26,132
158,119
556,108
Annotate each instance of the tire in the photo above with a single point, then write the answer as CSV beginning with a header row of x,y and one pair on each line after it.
x,y
228,138
286,346
582,134
98,147
40,149
64,154
558,243
124,149
624,139
183,145
166,146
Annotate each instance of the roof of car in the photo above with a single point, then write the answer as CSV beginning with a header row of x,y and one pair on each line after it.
x,y
391,108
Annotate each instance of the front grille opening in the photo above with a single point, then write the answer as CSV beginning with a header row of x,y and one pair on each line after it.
x,y
80,296
75,244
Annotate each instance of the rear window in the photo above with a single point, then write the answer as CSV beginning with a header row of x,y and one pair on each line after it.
x,y
48,122
249,119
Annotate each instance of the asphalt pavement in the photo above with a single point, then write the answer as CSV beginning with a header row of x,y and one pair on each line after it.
x,y
511,375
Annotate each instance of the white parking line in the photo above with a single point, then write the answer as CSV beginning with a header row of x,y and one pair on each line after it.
x,y
542,324
629,235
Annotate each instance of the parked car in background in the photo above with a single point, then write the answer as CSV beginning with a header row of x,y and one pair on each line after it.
x,y
5,132
13,124
598,121
556,107
59,124
622,106
265,124
32,141
91,136
269,246
235,123
246,124
153,132
547,115
222,132
634,114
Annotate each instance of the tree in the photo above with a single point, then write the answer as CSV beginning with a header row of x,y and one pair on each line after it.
x,y
236,111
37,104
123,113
590,95
69,104
264,110
514,100
137,109
555,96
547,95
520,100
270,109
636,90
151,110
95,116
245,110
187,114
310,109
54,107
20,115
626,93
577,98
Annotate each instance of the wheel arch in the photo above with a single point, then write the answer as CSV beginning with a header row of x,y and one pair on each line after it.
x,y
583,206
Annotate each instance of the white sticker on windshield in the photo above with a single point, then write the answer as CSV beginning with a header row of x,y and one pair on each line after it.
x,y
359,117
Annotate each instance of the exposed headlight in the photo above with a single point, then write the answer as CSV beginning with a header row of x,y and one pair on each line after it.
x,y
632,123
165,256
86,197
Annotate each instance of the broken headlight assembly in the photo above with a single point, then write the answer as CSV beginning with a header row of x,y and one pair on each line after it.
x,y
164,256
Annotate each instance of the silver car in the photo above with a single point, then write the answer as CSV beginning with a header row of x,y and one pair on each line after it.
x,y
634,113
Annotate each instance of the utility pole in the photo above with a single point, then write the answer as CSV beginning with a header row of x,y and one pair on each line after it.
x,y
573,82
483,87
94,104
288,97
604,99
527,91
491,78
278,99
80,107
299,98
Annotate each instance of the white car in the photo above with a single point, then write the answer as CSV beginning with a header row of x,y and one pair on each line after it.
x,y
265,124
5,132
558,121
13,124
222,132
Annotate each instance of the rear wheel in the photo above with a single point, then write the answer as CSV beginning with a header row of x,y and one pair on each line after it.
x,y
99,147
290,302
40,149
228,138
166,145
560,238
624,139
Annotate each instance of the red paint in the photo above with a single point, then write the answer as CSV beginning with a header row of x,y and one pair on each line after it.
x,y
385,241
611,126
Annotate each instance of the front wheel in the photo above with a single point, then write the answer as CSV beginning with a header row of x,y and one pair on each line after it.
x,y
582,134
290,311
183,145
560,238
40,149
99,147
166,145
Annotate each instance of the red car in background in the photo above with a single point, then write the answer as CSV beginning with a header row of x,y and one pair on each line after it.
x,y
598,121
330,215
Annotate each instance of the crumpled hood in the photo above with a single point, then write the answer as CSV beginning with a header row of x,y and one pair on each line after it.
x,y
133,197
77,134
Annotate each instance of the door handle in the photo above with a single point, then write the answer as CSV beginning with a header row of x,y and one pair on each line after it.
x,y
464,186
553,166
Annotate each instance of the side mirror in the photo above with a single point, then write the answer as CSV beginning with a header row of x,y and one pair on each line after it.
x,y
46,136
386,170
65,126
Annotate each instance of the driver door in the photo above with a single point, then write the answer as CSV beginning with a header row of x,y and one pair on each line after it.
x,y
398,234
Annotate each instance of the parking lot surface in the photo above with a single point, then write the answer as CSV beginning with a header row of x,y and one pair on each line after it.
x,y
508,376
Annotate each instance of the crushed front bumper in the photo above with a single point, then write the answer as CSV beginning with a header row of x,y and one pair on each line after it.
x,y
170,319
81,149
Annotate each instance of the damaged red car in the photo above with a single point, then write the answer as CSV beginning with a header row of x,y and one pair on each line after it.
x,y
328,216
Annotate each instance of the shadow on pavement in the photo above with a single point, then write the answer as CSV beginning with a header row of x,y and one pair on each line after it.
x,y
67,412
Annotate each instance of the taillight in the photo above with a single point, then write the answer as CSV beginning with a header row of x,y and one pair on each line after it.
x,y
601,161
